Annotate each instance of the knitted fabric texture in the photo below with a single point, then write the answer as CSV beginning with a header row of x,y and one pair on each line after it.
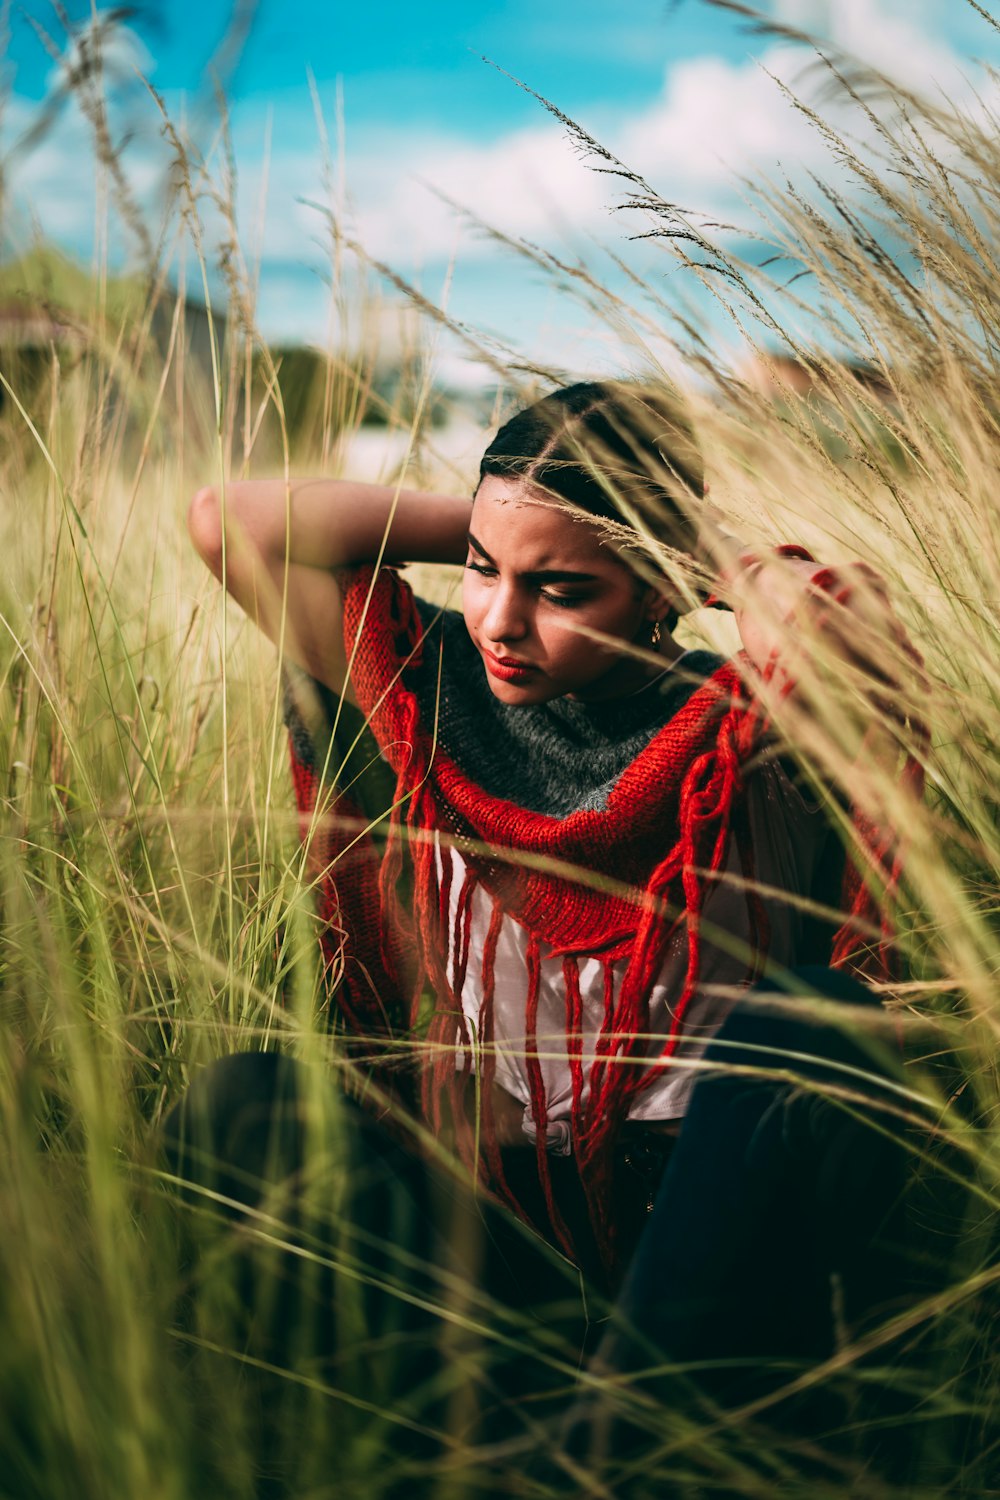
x,y
619,883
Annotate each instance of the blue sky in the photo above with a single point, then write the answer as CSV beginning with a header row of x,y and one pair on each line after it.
x,y
674,87
410,63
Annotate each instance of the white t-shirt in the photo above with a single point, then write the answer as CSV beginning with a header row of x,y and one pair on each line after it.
x,y
787,837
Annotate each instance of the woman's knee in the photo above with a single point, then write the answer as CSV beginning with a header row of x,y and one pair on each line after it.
x,y
254,1122
239,1126
820,1027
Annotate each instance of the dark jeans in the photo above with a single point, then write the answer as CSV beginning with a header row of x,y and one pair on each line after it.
x,y
323,1243
779,1227
781,1231
790,1227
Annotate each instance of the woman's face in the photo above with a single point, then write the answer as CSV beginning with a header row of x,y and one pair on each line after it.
x,y
535,581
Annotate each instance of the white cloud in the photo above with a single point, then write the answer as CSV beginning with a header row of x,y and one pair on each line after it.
x,y
108,42
717,119
899,36
714,122
529,183
51,183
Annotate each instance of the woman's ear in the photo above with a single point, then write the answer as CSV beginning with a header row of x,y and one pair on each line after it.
x,y
664,607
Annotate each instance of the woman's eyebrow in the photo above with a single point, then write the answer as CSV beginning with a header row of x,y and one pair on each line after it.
x,y
560,575
538,575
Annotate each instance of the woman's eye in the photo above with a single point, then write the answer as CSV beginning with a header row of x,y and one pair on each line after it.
x,y
476,567
566,601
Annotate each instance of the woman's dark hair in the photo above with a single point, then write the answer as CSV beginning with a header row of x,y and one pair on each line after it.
x,y
619,451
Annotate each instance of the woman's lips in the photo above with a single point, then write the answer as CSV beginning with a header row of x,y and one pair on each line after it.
x,y
507,668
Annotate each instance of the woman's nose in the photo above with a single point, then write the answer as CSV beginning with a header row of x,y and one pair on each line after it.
x,y
505,618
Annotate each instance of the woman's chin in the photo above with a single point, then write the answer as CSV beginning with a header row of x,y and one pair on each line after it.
x,y
520,694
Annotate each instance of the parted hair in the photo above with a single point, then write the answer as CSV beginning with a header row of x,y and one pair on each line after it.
x,y
619,451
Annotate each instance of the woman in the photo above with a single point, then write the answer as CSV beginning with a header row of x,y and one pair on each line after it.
x,y
551,847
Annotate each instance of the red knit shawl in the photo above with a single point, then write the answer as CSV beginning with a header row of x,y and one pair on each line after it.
x,y
643,865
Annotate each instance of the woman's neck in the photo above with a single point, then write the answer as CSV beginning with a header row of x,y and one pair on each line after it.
x,y
631,674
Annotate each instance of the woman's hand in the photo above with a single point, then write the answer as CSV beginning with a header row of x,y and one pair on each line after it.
x,y
791,611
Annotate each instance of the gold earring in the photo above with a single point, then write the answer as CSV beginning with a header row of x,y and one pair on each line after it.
x,y
656,633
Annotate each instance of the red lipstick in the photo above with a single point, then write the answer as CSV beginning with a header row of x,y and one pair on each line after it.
x,y
507,668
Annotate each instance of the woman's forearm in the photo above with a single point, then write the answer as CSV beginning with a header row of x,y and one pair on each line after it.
x,y
277,548
324,523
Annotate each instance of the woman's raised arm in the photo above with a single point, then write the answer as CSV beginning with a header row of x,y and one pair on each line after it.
x,y
277,548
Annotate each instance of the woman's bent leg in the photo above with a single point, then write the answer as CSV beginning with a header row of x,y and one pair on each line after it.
x,y
315,1243
781,1231
776,1230
343,1253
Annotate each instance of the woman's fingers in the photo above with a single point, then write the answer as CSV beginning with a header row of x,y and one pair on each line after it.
x,y
793,614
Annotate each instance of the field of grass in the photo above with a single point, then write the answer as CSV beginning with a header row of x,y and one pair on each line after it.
x,y
156,914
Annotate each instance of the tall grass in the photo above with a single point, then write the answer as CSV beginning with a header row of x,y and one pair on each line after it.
x,y
155,909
